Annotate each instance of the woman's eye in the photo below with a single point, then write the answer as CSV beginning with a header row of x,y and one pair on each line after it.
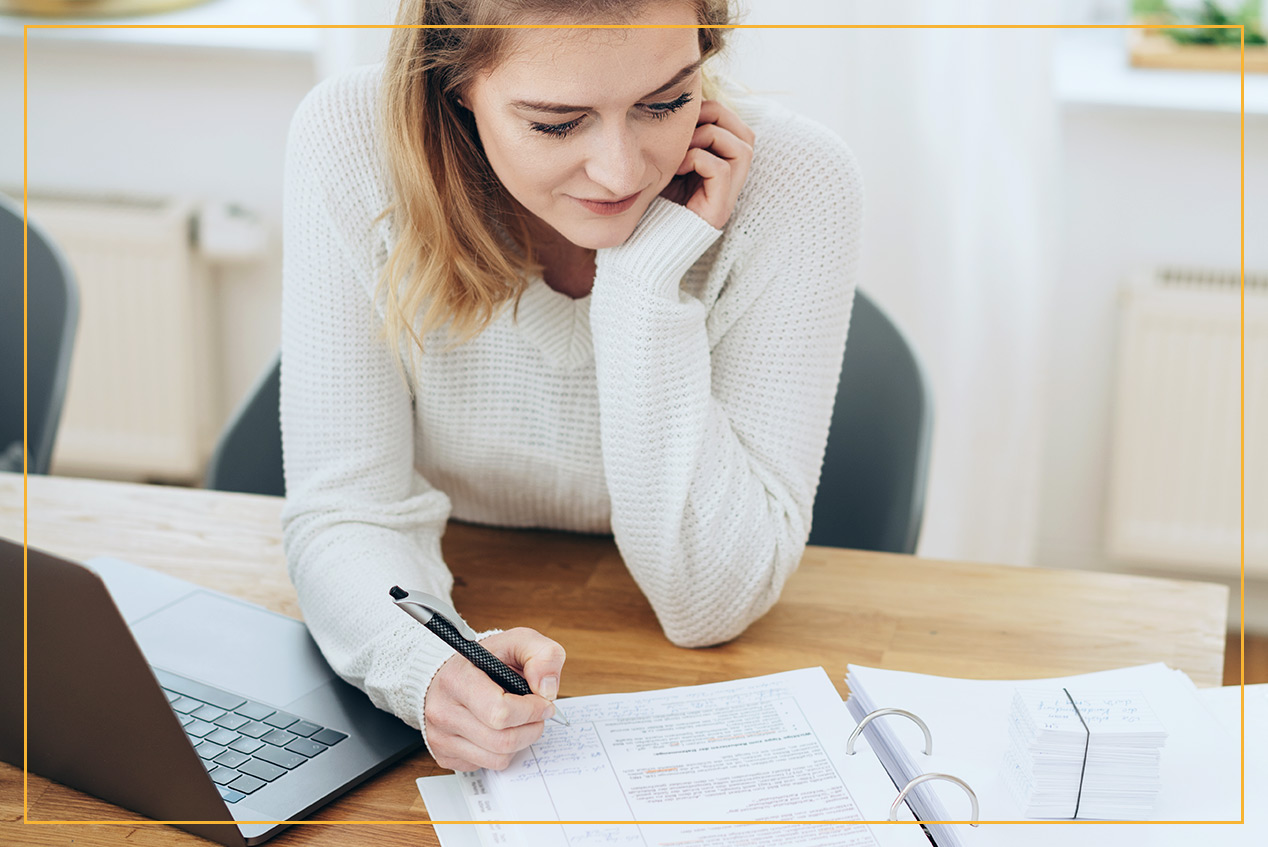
x,y
664,110
656,110
556,130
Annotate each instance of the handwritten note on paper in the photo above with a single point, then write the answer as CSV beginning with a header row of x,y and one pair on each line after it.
x,y
766,749
1095,755
1103,712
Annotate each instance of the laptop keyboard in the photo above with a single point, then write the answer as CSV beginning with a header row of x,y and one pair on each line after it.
x,y
243,744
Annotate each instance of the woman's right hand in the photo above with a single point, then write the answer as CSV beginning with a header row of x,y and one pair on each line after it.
x,y
472,723
717,163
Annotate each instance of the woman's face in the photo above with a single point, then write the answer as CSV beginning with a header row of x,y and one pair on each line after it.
x,y
585,127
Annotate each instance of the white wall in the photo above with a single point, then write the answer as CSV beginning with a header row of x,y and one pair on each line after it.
x,y
1142,187
196,113
204,123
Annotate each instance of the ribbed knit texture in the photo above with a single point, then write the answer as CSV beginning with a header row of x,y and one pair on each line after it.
x,y
682,406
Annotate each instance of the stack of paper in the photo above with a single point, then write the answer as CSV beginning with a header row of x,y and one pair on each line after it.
x,y
1084,754
969,722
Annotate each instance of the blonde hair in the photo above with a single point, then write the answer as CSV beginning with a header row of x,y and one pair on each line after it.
x,y
452,263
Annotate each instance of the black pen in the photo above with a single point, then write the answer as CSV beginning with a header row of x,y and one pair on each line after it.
x,y
449,627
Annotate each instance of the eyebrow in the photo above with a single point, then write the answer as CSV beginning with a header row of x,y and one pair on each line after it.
x,y
562,109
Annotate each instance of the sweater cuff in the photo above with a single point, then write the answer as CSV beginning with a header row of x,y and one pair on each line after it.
x,y
666,243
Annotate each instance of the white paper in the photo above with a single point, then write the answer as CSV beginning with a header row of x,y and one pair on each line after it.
x,y
969,721
1099,712
765,749
443,798
1101,758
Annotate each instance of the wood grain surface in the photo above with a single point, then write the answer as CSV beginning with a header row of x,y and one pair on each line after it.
x,y
842,606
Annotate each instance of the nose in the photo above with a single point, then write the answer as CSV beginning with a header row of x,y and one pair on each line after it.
x,y
615,162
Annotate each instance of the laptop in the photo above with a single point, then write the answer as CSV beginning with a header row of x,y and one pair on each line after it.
x,y
178,702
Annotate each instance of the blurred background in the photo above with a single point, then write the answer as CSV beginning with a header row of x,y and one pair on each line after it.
x,y
1052,215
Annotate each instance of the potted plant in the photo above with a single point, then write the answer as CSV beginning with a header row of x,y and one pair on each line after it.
x,y
1213,44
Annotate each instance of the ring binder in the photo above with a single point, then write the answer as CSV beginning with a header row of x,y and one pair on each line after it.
x,y
878,713
927,777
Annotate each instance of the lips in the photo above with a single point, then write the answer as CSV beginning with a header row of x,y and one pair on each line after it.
x,y
615,207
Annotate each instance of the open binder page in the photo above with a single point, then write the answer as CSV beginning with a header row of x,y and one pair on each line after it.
x,y
764,749
969,722
1226,704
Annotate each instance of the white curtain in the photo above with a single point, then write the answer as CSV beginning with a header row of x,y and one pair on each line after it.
x,y
955,130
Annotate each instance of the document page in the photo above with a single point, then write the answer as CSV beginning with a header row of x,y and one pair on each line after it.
x,y
969,719
683,766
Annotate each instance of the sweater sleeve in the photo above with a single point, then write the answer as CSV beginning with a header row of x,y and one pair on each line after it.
x,y
358,517
713,422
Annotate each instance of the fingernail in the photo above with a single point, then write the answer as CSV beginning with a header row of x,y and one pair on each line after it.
x,y
549,714
550,687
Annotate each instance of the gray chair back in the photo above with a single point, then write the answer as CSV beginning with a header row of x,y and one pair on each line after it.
x,y
52,315
872,489
248,456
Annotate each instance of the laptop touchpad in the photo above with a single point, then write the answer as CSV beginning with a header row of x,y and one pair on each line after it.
x,y
235,646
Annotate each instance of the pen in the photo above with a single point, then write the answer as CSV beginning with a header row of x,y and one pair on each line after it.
x,y
449,627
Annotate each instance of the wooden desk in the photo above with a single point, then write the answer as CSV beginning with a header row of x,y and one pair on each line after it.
x,y
949,618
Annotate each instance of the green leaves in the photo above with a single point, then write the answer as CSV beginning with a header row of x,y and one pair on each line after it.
x,y
1211,14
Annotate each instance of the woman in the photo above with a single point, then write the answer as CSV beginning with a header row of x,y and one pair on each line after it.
x,y
536,277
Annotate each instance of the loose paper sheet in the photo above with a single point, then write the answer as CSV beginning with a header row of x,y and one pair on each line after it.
x,y
765,749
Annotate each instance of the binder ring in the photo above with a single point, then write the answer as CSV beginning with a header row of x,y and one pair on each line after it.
x,y
926,777
858,730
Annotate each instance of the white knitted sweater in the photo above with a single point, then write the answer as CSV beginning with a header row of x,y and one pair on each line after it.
x,y
683,406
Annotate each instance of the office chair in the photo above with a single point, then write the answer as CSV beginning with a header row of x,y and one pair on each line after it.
x,y
248,456
52,315
872,487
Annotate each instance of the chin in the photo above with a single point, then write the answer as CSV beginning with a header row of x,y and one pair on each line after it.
x,y
608,234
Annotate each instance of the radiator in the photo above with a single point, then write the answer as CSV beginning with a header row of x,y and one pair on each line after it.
x,y
141,395
1175,466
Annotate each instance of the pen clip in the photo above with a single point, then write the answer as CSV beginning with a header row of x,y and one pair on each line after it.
x,y
437,607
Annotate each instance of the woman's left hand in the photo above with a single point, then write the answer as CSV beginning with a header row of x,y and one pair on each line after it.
x,y
717,162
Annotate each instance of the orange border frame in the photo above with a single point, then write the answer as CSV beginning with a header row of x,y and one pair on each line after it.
x,y
25,751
